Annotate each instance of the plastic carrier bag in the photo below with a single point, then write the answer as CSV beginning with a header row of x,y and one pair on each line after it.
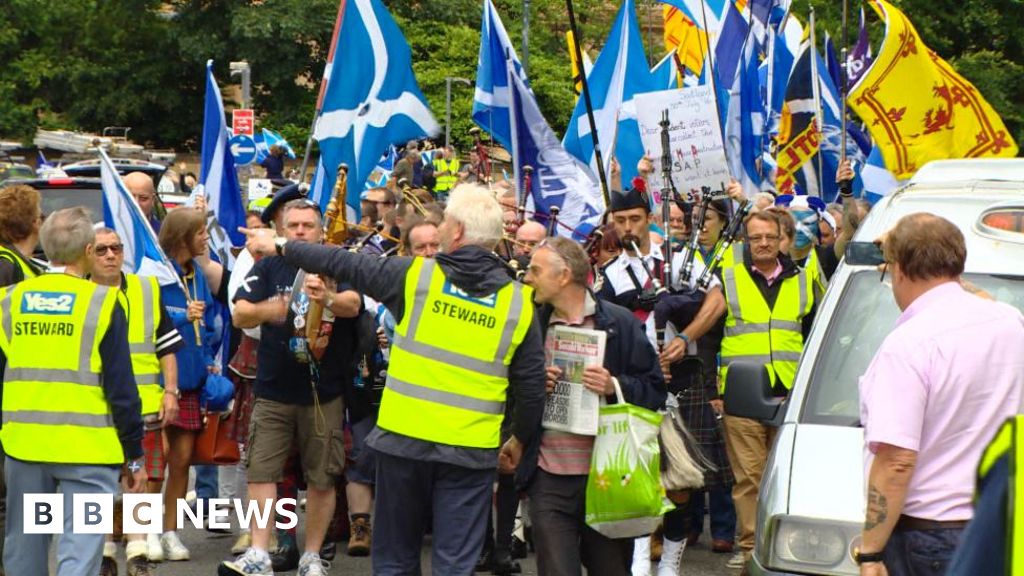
x,y
625,498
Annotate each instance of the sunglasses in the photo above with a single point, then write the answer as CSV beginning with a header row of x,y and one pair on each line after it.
x,y
114,248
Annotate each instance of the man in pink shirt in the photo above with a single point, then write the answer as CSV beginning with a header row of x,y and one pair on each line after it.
x,y
940,386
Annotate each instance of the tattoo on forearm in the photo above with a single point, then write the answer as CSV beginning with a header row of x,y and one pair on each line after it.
x,y
878,509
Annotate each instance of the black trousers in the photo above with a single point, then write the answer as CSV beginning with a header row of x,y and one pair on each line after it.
x,y
563,540
407,491
501,518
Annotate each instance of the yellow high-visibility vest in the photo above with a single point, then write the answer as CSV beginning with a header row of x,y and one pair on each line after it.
x,y
54,409
141,302
448,373
445,183
17,259
755,333
1009,442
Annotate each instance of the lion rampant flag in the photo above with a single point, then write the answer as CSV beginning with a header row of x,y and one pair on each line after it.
x,y
918,108
684,37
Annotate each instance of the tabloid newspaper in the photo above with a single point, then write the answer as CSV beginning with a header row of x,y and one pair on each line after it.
x,y
570,407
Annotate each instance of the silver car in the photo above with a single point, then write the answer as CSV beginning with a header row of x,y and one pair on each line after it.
x,y
811,507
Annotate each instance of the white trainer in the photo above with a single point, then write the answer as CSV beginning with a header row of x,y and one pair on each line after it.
x,y
174,550
154,549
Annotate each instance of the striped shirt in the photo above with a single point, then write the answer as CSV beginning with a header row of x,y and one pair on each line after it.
x,y
565,453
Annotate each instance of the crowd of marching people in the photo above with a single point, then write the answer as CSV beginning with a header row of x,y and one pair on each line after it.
x,y
399,379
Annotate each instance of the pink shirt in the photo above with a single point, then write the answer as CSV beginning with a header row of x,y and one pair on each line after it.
x,y
771,278
943,381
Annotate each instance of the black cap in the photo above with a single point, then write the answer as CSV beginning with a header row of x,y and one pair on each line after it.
x,y
632,198
283,196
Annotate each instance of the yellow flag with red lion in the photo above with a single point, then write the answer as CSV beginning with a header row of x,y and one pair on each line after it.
x,y
918,109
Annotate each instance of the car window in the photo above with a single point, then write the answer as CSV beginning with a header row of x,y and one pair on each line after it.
x,y
865,315
54,199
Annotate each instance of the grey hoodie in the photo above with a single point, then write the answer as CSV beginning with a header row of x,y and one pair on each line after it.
x,y
472,269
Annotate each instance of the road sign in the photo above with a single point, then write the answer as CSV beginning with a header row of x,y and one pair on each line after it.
x,y
242,122
243,148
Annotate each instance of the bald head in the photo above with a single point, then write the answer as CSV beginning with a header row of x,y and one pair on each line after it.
x,y
141,187
529,235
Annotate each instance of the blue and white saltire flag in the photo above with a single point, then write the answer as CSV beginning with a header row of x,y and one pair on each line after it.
x,y
377,104
558,179
142,252
744,127
218,179
491,97
265,139
621,71
878,180
729,50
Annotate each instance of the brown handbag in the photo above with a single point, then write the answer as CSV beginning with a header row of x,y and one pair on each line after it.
x,y
214,444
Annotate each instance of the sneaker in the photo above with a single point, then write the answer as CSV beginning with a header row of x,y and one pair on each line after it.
x,y
174,550
252,563
138,566
154,550
108,567
361,537
311,565
242,544
738,560
285,556
671,557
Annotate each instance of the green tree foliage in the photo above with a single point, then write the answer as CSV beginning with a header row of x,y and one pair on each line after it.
x,y
86,64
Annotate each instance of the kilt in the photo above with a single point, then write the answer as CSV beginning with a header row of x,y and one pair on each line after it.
x,y
707,430
189,416
689,385
153,452
242,371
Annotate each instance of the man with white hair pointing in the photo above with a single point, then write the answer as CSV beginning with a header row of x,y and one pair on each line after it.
x,y
466,333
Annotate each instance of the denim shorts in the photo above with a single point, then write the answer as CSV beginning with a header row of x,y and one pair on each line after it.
x,y
921,552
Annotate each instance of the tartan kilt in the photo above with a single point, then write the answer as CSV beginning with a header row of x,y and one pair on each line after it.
x,y
707,430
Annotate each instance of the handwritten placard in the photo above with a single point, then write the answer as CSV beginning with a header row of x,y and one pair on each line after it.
x,y
695,139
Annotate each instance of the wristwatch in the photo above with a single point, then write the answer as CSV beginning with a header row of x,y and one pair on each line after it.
x,y
279,245
864,558
176,393
135,465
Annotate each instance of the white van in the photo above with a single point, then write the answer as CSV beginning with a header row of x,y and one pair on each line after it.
x,y
811,506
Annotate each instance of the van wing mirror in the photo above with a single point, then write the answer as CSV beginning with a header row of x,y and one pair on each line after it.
x,y
864,254
748,393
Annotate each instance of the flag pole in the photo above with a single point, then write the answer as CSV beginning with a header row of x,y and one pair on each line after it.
x,y
513,121
844,55
816,93
711,57
323,89
590,107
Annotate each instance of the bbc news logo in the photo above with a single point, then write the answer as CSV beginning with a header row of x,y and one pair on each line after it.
x,y
144,513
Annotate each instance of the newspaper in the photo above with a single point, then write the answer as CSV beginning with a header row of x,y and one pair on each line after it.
x,y
570,407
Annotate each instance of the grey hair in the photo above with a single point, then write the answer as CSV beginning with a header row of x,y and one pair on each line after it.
x,y
572,255
65,235
475,207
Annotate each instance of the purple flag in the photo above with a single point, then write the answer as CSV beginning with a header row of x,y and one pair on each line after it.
x,y
859,59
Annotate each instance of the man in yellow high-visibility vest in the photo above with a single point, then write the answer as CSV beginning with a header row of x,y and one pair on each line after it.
x,y
466,333
152,341
71,409
446,171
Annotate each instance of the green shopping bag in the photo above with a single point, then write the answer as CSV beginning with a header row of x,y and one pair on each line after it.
x,y
625,498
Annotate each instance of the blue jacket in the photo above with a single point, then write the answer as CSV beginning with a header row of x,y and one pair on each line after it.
x,y
194,358
628,355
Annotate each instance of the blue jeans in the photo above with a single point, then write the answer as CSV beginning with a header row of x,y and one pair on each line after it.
x,y
722,512
921,552
76,553
206,482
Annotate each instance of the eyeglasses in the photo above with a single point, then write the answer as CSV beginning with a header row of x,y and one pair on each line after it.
x,y
102,249
764,238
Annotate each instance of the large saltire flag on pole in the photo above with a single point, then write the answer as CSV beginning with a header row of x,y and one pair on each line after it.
x,y
621,71
377,101
918,109
218,179
559,180
142,252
